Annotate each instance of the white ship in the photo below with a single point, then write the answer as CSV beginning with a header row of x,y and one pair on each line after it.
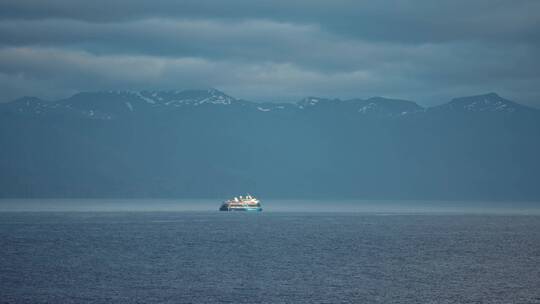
x,y
241,203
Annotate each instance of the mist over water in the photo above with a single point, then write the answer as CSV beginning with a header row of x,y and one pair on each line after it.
x,y
272,205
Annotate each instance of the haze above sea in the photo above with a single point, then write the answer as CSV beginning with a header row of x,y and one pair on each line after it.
x,y
273,205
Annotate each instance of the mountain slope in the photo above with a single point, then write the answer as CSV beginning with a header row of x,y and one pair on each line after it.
x,y
204,143
490,102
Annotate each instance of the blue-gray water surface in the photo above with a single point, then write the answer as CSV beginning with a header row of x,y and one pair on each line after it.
x,y
268,257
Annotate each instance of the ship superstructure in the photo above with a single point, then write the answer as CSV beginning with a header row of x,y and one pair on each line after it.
x,y
241,203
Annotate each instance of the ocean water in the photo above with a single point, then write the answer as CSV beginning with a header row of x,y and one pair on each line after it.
x,y
193,254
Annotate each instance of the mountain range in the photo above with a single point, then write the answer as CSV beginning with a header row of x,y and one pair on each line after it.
x,y
205,143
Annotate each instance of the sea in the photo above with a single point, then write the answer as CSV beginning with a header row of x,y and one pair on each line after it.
x,y
185,251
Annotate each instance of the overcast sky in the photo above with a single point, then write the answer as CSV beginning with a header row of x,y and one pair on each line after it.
x,y
423,50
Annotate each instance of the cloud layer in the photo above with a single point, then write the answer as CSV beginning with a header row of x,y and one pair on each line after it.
x,y
428,51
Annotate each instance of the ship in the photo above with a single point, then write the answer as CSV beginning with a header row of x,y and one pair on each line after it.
x,y
241,203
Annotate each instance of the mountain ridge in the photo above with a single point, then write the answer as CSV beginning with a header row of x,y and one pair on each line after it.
x,y
208,144
108,104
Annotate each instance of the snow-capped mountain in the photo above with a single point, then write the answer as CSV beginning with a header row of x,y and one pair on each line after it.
x,y
490,102
108,105
386,106
186,97
378,106
205,143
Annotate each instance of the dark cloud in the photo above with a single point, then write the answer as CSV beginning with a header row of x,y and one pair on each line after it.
x,y
273,50
402,20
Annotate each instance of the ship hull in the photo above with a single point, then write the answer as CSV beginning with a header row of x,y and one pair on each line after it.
x,y
245,209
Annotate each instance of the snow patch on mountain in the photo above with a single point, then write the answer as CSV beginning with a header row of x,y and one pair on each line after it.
x,y
367,108
146,99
